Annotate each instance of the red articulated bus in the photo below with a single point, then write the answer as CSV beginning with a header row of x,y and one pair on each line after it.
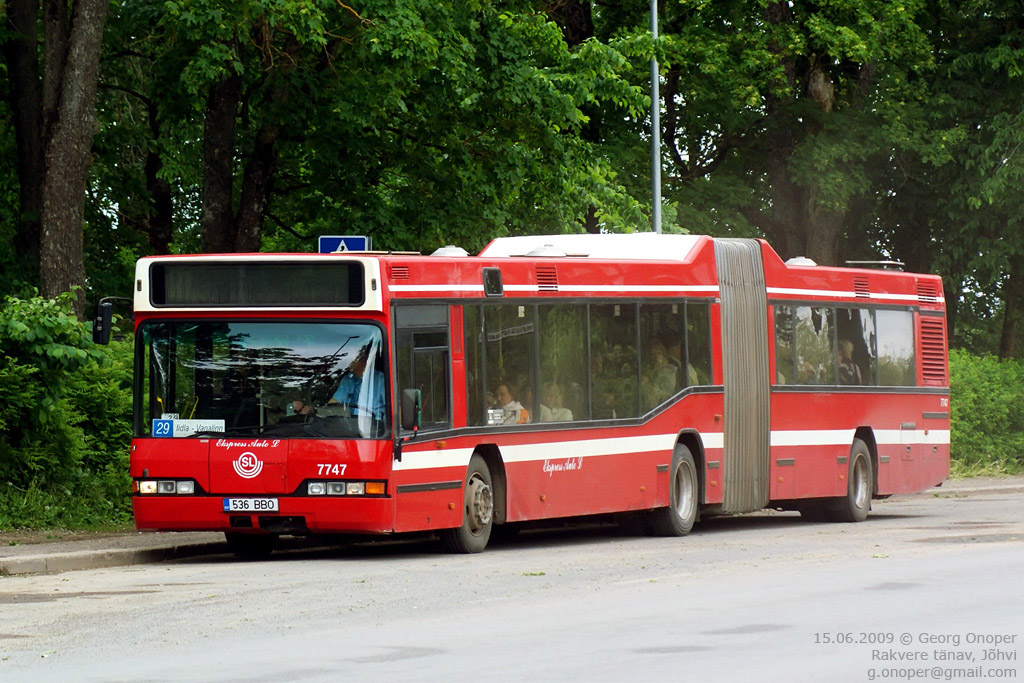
x,y
550,376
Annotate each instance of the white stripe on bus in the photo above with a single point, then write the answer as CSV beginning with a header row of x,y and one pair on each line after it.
x,y
437,288
847,295
589,448
683,289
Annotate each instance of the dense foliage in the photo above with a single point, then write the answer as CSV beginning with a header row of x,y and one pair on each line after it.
x,y
987,416
65,407
847,130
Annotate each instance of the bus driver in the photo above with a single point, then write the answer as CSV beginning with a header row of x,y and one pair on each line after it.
x,y
351,388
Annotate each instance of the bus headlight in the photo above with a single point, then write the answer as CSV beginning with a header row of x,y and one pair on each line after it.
x,y
316,488
165,487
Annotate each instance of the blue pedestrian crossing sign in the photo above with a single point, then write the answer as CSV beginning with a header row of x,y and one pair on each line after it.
x,y
333,244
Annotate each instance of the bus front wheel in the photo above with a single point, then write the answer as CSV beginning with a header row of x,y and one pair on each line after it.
x,y
681,514
478,512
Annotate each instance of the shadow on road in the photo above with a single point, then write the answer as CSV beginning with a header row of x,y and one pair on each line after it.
x,y
547,534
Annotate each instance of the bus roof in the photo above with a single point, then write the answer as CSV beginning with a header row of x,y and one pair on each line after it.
x,y
637,246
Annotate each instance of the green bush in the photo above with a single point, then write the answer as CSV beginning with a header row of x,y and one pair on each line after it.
x,y
987,414
65,411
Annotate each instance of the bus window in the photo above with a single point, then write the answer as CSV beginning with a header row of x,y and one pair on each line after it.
x,y
421,354
815,345
855,348
264,377
613,361
698,343
509,360
785,350
895,330
661,374
563,370
473,330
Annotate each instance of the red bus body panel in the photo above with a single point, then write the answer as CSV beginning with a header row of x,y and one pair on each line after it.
x,y
581,469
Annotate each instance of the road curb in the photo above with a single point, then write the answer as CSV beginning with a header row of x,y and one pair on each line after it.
x,y
966,490
98,559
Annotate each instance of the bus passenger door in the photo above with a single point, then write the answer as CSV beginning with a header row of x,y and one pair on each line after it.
x,y
422,361
427,487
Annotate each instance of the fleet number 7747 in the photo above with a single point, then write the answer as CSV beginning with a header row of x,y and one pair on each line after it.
x,y
327,469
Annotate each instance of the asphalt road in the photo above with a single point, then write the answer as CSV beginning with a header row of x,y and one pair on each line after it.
x,y
763,597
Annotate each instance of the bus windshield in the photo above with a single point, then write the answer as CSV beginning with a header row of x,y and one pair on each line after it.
x,y
301,379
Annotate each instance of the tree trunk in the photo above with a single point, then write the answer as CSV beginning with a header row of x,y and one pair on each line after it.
x,y
784,227
824,232
1013,301
160,222
20,54
256,184
575,19
69,123
217,217
160,218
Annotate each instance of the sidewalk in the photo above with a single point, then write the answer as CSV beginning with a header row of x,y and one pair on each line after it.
x,y
106,550
92,551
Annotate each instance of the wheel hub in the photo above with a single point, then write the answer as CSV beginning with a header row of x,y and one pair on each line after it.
x,y
683,492
479,504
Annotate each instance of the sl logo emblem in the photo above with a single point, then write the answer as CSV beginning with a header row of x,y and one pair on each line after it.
x,y
248,466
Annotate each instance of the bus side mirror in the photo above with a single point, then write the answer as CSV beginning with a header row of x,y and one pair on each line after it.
x,y
102,322
410,409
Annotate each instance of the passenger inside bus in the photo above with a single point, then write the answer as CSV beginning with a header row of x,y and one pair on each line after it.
x,y
551,404
602,395
513,411
849,372
658,381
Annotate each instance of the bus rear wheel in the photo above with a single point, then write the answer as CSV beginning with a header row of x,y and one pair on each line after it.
x,y
681,514
855,505
478,512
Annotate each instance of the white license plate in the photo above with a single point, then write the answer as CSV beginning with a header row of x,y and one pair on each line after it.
x,y
250,505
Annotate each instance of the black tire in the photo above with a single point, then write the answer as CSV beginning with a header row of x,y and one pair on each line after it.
x,y
684,491
477,511
855,505
251,546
